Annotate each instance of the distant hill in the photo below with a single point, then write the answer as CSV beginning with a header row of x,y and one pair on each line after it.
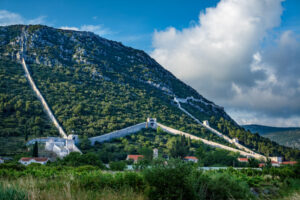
x,y
262,130
287,136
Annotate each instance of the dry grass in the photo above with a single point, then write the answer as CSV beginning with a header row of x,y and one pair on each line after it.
x,y
294,196
62,190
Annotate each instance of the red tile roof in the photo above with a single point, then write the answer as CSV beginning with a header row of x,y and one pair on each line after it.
x,y
191,157
134,157
37,159
262,164
289,163
243,159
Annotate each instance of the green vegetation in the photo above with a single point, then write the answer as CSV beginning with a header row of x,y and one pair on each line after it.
x,y
174,180
168,145
21,114
12,193
289,136
254,141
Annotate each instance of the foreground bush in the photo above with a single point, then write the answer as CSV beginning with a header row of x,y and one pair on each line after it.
x,y
179,180
117,165
168,181
11,193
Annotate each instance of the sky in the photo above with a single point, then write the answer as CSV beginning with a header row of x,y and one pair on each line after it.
x,y
241,54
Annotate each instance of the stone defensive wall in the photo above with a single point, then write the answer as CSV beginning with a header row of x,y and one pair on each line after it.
x,y
117,134
210,143
43,101
228,139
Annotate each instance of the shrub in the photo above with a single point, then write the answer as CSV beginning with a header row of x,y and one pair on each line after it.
x,y
168,181
12,193
117,166
226,186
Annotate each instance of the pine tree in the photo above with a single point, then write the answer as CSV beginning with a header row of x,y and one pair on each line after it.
x,y
35,152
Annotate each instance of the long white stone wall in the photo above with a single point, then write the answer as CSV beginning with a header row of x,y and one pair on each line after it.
x,y
178,100
214,144
185,111
117,134
43,101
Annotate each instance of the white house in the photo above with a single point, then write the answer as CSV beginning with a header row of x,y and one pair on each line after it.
x,y
135,158
28,161
276,159
1,161
191,159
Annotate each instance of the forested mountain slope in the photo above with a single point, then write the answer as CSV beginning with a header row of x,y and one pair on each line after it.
x,y
288,136
95,86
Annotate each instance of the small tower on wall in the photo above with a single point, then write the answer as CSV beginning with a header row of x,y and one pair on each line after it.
x,y
206,123
155,153
74,138
151,123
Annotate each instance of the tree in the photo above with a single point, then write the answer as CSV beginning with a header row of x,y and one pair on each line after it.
x,y
180,148
268,163
85,143
147,153
35,152
252,162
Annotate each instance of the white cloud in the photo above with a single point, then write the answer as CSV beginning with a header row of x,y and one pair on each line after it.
x,y
222,57
10,18
72,28
97,29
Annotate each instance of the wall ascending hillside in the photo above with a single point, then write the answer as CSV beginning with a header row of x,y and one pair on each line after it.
x,y
210,143
44,103
119,133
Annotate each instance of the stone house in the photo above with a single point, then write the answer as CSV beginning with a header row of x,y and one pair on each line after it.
x,y
28,160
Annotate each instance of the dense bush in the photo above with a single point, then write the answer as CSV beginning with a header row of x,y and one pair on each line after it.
x,y
117,165
162,180
178,180
76,159
12,193
168,181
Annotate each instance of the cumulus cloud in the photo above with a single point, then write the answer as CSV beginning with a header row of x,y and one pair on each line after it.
x,y
222,57
98,29
10,18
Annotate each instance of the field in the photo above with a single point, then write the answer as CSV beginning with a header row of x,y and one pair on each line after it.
x,y
176,180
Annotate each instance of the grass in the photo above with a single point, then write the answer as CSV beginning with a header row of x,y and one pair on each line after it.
x,y
42,189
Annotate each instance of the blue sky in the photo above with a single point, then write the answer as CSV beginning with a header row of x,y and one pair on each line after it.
x,y
241,54
130,22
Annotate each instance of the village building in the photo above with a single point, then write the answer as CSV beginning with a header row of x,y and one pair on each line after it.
x,y
60,146
243,160
275,164
289,163
28,160
276,159
1,161
191,159
135,158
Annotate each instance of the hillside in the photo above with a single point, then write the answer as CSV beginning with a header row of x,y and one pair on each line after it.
x,y
95,86
262,130
287,136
